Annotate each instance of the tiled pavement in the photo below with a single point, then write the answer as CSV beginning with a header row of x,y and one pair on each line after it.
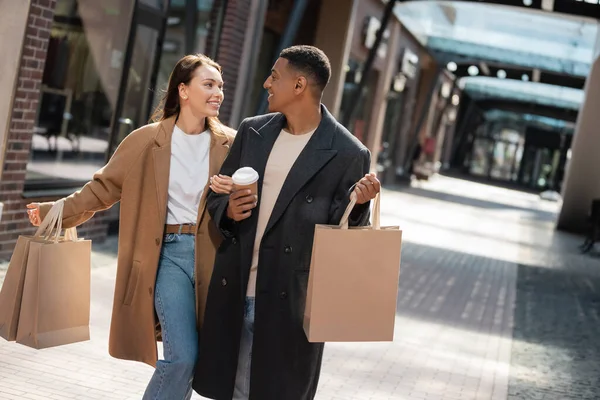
x,y
493,304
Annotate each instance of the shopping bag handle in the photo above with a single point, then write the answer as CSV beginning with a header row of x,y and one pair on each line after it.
x,y
51,222
71,234
376,212
51,226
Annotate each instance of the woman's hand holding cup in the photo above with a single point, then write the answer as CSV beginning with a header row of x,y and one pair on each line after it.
x,y
221,184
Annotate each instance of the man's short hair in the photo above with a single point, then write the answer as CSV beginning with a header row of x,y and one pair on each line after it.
x,y
309,61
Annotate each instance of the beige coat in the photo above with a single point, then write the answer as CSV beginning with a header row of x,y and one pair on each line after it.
x,y
137,175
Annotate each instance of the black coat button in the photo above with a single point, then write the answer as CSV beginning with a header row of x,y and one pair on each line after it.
x,y
309,199
287,250
223,282
283,295
233,241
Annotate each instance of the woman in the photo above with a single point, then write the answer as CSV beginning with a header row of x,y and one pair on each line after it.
x,y
167,241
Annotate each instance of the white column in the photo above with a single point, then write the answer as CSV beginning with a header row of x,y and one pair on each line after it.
x,y
582,177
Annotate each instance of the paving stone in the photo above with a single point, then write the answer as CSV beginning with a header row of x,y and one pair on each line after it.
x,y
492,304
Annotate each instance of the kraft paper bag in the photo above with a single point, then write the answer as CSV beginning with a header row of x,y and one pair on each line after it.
x,y
12,289
353,281
55,307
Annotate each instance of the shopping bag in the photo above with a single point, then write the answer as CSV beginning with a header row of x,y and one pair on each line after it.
x,y
353,281
12,289
55,307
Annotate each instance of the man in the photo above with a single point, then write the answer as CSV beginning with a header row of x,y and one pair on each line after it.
x,y
252,344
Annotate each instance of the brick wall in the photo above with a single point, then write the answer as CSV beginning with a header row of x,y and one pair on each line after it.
x,y
14,218
231,47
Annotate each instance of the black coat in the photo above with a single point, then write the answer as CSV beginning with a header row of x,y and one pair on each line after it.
x,y
285,366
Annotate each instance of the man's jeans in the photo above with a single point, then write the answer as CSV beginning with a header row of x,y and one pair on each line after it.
x,y
242,379
175,304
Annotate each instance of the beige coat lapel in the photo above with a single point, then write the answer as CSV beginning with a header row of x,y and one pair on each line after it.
x,y
162,165
219,146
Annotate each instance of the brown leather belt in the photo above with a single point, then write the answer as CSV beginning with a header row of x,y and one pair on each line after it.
x,y
182,229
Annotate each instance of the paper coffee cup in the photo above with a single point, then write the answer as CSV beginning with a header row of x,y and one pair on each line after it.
x,y
246,178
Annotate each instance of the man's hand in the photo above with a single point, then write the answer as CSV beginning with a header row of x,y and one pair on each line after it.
x,y
241,204
367,188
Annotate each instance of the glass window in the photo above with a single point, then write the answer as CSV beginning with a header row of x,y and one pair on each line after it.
x,y
135,105
480,157
204,39
160,4
504,160
79,90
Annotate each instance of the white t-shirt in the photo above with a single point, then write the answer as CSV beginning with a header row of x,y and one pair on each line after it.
x,y
188,175
285,152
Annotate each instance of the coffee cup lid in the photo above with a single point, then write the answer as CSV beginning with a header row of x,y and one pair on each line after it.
x,y
245,176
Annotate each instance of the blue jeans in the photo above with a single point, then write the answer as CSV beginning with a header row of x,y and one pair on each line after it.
x,y
242,378
175,304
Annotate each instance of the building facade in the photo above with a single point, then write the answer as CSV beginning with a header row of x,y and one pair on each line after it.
x,y
82,74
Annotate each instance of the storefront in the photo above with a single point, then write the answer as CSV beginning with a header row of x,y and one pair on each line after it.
x,y
87,73
366,24
82,84
278,17
398,129
528,154
435,141
101,60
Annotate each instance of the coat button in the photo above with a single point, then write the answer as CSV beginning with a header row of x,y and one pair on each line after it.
x,y
309,199
157,241
233,241
287,250
283,295
223,282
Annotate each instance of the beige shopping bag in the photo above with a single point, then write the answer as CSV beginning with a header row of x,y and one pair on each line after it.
x,y
353,281
55,307
12,289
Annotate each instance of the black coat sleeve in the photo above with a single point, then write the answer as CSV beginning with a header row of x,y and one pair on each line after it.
x,y
357,169
217,203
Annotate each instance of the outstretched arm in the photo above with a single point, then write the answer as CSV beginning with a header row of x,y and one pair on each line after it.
x,y
101,192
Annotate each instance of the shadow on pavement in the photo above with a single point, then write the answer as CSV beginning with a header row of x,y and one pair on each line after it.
x,y
461,290
556,327
556,347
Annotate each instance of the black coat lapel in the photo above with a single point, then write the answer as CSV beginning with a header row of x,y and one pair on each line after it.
x,y
162,165
260,143
311,160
